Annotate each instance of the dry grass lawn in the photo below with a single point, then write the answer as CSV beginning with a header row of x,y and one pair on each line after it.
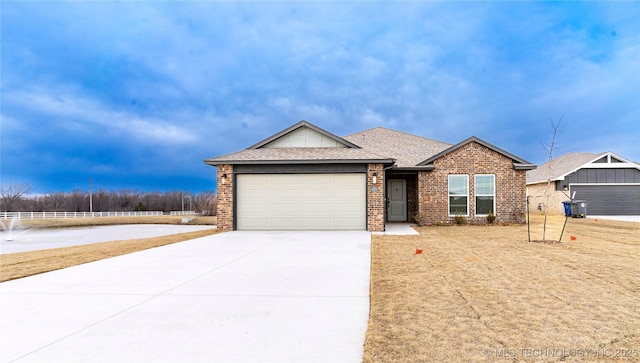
x,y
483,293
18,265
107,221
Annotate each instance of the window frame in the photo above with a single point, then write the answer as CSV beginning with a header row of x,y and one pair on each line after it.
x,y
476,194
449,195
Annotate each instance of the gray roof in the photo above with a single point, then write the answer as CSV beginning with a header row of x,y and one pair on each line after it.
x,y
376,145
408,150
300,156
557,168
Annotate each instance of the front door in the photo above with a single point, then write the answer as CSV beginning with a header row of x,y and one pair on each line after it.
x,y
396,200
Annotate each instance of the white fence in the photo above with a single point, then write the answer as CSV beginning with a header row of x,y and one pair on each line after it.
x,y
47,215
183,213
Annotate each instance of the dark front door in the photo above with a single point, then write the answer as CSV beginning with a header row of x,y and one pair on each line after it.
x,y
397,200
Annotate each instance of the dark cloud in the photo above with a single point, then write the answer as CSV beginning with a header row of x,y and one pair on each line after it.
x,y
144,91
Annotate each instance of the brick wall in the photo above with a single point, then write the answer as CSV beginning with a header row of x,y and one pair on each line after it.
x,y
472,159
537,194
412,198
375,198
225,198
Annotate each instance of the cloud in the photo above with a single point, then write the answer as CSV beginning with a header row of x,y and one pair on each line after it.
x,y
155,87
83,114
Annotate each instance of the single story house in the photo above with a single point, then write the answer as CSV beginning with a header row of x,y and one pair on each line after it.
x,y
306,178
608,182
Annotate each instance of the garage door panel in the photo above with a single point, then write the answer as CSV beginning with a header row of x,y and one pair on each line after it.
x,y
285,210
278,194
317,224
256,210
259,223
253,193
283,223
301,201
324,208
345,223
315,195
609,199
345,192
345,208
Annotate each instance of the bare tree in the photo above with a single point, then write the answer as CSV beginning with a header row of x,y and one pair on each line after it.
x,y
548,190
76,201
55,201
205,202
13,199
11,194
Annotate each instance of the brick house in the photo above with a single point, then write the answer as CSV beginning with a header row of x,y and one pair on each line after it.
x,y
307,178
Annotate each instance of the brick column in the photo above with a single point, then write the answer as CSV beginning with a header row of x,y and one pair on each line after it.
x,y
375,198
423,199
225,198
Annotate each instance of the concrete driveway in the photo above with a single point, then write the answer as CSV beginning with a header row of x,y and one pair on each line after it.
x,y
231,297
47,238
618,218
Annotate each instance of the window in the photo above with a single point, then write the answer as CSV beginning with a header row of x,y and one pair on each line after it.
x,y
485,187
458,195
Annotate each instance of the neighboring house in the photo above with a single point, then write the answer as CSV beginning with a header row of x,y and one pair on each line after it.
x,y
608,182
307,178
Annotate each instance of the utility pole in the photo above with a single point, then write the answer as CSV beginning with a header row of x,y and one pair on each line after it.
x,y
91,195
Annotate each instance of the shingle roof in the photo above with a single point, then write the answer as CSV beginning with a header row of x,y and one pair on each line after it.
x,y
408,150
300,155
560,167
376,145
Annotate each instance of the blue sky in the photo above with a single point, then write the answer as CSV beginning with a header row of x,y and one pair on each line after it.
x,y
134,95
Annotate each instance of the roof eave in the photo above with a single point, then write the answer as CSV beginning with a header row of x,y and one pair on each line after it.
x,y
300,161
521,166
545,180
414,168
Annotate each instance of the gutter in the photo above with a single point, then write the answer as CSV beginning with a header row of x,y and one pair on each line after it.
x,y
279,162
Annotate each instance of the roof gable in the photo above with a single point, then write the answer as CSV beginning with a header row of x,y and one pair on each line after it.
x,y
560,167
303,135
611,160
518,163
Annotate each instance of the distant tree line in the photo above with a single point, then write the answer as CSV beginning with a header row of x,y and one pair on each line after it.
x,y
17,198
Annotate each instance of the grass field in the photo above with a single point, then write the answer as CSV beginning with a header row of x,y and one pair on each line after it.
x,y
18,265
483,293
107,221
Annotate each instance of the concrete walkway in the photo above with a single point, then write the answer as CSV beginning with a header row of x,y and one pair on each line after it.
x,y
398,229
231,297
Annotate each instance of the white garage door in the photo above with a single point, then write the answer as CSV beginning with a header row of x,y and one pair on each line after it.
x,y
301,201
